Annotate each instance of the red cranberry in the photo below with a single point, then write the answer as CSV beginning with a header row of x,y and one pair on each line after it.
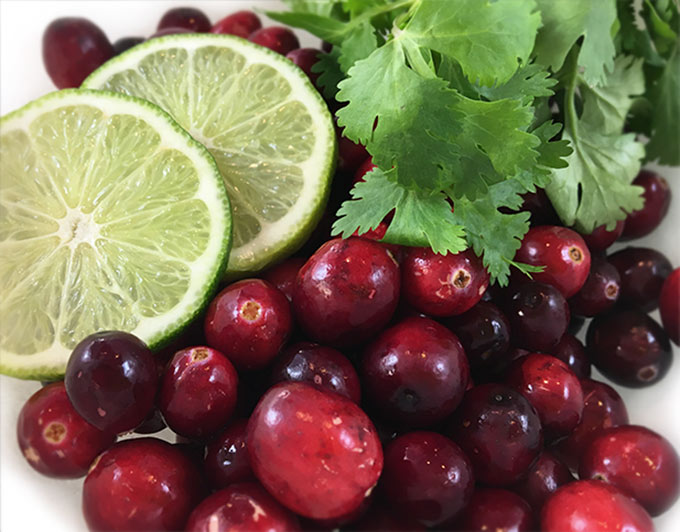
x,y
318,365
125,43
283,275
601,238
198,392
241,507
500,432
169,31
544,477
72,48
281,40
669,305
335,523
241,24
378,234
638,461
643,272
111,379
346,292
497,510
365,168
142,484
185,17
415,373
317,452
657,195
600,291
306,58
563,253
249,321
587,505
571,351
226,459
538,205
427,477
629,347
350,154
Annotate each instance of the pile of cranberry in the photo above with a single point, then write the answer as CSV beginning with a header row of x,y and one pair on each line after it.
x,y
375,387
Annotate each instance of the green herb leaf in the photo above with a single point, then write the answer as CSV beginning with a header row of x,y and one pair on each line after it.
x,y
529,82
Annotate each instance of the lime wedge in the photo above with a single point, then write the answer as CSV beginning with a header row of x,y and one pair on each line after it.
x,y
111,217
266,125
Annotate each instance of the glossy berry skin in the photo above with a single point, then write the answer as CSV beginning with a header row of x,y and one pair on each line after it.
x,y
283,275
249,321
320,366
593,505
643,272
185,17
499,431
226,458
600,291
316,452
55,440
241,24
552,389
600,238
111,379
277,38
306,58
346,292
563,253
415,373
243,507
657,195
669,306
543,478
629,347
198,392
141,484
427,477
125,43
72,48
571,351
443,285
498,510
639,462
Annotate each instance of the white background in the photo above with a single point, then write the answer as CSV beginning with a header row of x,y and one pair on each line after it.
x,y
31,502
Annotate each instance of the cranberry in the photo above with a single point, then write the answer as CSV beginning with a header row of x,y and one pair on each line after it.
x,y
669,305
226,459
198,392
249,321
378,234
185,17
600,291
383,518
602,408
544,477
601,238
538,205
500,432
657,195
366,167
169,31
283,275
335,523
350,154
629,347
72,48
563,253
415,373
427,477
316,452
571,351
306,58
318,365
346,292
241,24
638,461
587,505
497,510
142,484
277,38
125,43
643,272
111,379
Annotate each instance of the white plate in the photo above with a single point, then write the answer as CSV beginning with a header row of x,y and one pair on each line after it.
x,y
29,501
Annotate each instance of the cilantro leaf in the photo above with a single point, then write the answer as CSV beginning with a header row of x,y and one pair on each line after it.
x,y
324,27
330,73
317,7
529,82
357,44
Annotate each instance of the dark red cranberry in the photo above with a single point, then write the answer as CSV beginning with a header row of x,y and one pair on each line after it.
x,y
571,351
600,291
639,462
498,511
55,440
587,505
346,292
657,195
350,154
378,234
415,373
153,423
552,389
499,431
544,477
306,58
141,484
198,392
426,477
318,365
365,168
334,523
382,518
125,43
539,207
241,23
283,275
241,507
317,452
538,314
281,40
643,272
629,347
602,408
185,17
563,253
498,373
111,379
169,31
601,238
72,48
249,321
669,305
226,459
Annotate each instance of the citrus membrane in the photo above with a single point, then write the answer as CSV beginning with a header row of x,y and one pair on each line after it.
x,y
264,122
111,218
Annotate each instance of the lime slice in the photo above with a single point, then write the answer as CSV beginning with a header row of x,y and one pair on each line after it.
x,y
266,125
111,218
